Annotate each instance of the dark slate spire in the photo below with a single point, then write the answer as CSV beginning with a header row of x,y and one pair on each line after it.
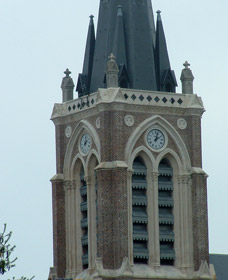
x,y
138,32
84,79
166,80
126,28
119,47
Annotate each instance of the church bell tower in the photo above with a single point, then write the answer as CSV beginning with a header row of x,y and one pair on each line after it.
x,y
129,194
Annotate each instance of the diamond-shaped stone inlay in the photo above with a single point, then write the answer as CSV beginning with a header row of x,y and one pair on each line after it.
x,y
180,101
133,97
149,98
126,96
141,97
69,108
164,99
78,105
83,104
172,100
92,101
74,107
157,99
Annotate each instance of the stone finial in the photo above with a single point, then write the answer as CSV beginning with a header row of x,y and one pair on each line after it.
x,y
112,71
187,79
67,86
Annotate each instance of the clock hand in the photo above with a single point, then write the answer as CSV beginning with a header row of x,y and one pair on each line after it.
x,y
156,138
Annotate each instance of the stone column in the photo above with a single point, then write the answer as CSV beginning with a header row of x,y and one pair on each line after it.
x,y
156,235
92,239
186,250
59,230
130,223
71,237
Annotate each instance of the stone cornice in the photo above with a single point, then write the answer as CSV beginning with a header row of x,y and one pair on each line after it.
x,y
129,99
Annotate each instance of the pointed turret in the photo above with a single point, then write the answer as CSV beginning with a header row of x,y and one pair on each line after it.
x,y
166,80
67,87
84,79
187,79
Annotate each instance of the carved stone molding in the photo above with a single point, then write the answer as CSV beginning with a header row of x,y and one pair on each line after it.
x,y
154,177
69,185
88,180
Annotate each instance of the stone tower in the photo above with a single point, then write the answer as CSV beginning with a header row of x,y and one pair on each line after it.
x,y
130,194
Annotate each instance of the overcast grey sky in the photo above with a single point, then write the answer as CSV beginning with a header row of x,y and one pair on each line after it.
x,y
39,40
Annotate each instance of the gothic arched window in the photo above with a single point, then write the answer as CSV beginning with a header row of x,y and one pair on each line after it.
x,y
166,218
84,219
139,212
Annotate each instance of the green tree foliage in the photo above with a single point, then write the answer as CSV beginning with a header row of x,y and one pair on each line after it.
x,y
5,254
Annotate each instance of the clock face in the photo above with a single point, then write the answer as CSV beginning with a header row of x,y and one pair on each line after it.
x,y
85,143
156,139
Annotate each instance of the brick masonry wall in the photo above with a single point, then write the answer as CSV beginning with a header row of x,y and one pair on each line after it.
x,y
60,147
195,141
59,230
200,219
112,217
112,185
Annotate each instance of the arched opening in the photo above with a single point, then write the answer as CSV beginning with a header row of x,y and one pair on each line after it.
x,y
139,212
93,208
123,83
169,87
166,218
84,220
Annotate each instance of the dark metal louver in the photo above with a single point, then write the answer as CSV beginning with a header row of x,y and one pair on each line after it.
x,y
139,212
166,219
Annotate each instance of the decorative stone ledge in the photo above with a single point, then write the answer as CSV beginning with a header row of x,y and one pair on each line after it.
x,y
112,165
129,96
57,177
198,171
145,272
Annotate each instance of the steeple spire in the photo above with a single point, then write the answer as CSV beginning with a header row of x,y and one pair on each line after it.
x,y
166,80
133,26
126,28
84,79
119,47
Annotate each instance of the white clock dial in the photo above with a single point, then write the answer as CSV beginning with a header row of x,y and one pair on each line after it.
x,y
85,143
156,139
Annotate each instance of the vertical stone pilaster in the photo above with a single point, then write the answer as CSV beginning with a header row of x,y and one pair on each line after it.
x,y
196,145
130,223
155,249
112,216
90,182
71,236
59,232
186,253
200,218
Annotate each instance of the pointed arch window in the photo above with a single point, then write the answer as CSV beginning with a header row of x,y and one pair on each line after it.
x,y
139,212
166,218
84,219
